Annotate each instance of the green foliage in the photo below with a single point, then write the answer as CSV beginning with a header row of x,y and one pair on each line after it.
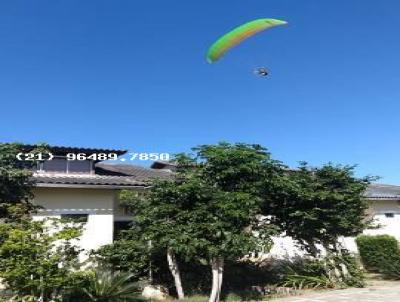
x,y
333,271
355,276
231,297
245,295
27,298
212,209
131,256
391,267
374,249
74,282
107,286
321,204
241,277
34,261
306,282
207,209
304,273
15,184
192,298
305,267
380,253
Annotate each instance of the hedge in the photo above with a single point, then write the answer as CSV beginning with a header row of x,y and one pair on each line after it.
x,y
380,253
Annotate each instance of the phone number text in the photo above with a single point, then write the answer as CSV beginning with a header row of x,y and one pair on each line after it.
x,y
94,156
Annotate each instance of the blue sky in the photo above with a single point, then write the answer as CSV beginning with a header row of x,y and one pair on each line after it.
x,y
132,74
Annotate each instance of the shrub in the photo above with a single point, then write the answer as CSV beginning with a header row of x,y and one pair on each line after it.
x,y
125,255
331,272
107,286
380,253
35,261
76,281
242,276
355,277
306,282
305,267
390,267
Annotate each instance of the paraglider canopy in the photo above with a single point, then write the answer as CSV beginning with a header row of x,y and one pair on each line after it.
x,y
239,34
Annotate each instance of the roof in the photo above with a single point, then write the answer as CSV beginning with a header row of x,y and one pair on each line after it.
x,y
160,164
380,191
86,181
137,172
112,176
62,150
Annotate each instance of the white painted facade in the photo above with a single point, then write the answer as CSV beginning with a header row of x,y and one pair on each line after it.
x,y
386,214
103,210
70,193
98,204
73,187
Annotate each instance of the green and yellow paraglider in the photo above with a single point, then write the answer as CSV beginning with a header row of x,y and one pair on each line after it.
x,y
239,34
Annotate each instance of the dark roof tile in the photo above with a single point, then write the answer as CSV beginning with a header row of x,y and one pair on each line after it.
x,y
137,172
69,179
379,191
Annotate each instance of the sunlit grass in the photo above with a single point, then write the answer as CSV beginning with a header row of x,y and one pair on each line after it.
x,y
194,298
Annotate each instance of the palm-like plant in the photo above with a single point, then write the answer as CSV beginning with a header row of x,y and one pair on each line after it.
x,y
107,286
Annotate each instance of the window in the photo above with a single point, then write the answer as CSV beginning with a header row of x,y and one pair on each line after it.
x,y
125,210
119,227
76,218
79,166
62,165
389,215
55,165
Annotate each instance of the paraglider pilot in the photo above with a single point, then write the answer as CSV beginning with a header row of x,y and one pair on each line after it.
x,y
261,71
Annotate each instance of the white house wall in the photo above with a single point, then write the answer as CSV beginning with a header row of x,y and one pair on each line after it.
x,y
286,247
103,210
97,203
390,226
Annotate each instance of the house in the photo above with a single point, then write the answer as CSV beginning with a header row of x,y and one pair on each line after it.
x,y
87,190
385,211
385,208
384,204
384,201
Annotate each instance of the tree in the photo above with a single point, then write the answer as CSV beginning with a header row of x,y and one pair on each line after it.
x,y
232,176
156,222
15,184
36,257
321,205
126,254
209,210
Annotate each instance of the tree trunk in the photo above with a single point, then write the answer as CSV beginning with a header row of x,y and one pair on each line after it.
x,y
41,298
343,267
220,276
150,246
217,269
313,250
174,269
